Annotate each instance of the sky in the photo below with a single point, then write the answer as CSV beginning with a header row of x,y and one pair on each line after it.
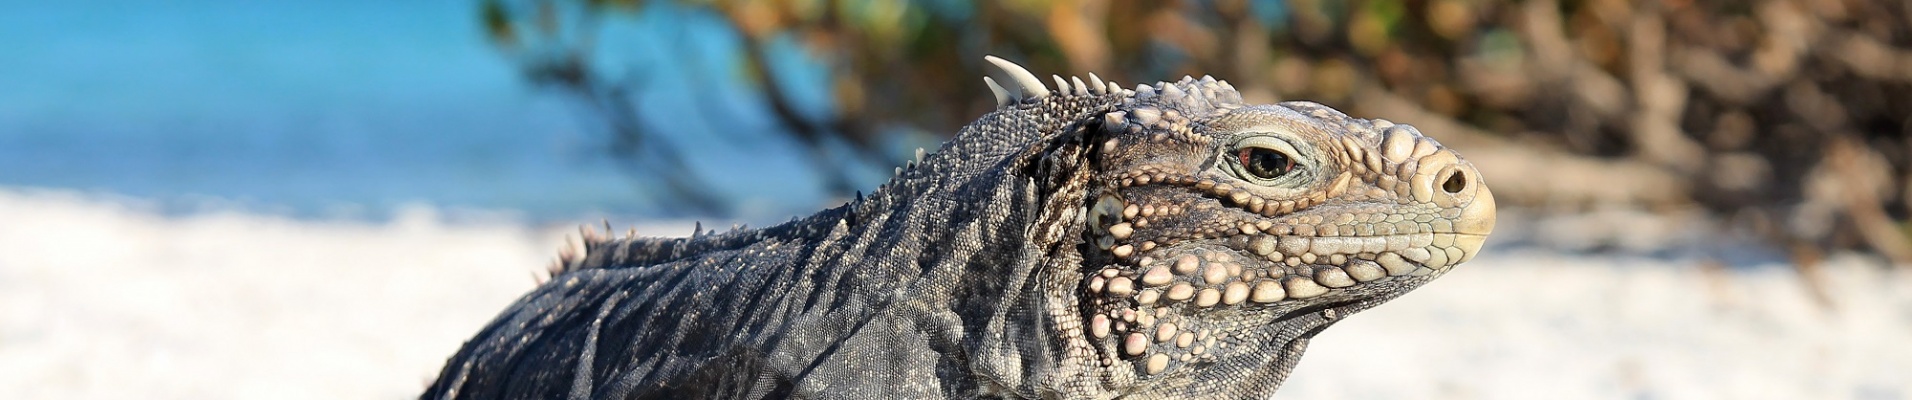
x,y
349,109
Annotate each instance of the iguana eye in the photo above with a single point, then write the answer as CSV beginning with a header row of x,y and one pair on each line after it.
x,y
1265,163
1267,159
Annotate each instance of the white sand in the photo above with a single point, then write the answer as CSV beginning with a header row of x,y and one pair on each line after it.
x,y
99,299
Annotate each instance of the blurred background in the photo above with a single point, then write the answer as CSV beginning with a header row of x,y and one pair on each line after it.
x,y
232,199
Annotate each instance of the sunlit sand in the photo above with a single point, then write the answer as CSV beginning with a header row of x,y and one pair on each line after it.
x,y
100,298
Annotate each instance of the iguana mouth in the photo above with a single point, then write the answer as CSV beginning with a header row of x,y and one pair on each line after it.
x,y
1282,262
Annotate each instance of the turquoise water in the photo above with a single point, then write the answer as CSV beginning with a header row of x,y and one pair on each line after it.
x,y
354,108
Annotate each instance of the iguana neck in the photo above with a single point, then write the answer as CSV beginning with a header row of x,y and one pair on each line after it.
x,y
975,246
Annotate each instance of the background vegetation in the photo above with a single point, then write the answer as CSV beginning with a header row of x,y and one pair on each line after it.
x,y
1786,119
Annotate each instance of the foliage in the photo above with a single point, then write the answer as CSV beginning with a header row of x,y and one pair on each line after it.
x,y
1788,116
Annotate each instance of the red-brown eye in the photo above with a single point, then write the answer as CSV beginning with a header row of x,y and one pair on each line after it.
x,y
1264,162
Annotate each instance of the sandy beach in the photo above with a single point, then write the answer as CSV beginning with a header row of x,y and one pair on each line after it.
x,y
104,298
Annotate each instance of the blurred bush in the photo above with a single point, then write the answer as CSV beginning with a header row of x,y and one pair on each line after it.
x,y
1789,118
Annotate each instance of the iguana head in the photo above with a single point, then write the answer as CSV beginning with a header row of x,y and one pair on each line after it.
x,y
1221,235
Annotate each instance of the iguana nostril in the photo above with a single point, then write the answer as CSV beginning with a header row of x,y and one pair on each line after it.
x,y
1454,183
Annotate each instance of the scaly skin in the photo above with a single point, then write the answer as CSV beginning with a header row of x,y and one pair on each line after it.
x,y
1083,242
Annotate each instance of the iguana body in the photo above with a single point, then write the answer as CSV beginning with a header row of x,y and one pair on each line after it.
x,y
1086,242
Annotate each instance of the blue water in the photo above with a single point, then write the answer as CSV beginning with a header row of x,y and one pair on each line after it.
x,y
354,108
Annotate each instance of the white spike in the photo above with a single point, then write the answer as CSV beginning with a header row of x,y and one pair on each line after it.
x,y
1002,97
1114,87
1172,93
1062,85
919,154
1081,89
1028,85
1143,92
1098,88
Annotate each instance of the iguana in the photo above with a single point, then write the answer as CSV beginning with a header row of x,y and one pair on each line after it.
x,y
1080,241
